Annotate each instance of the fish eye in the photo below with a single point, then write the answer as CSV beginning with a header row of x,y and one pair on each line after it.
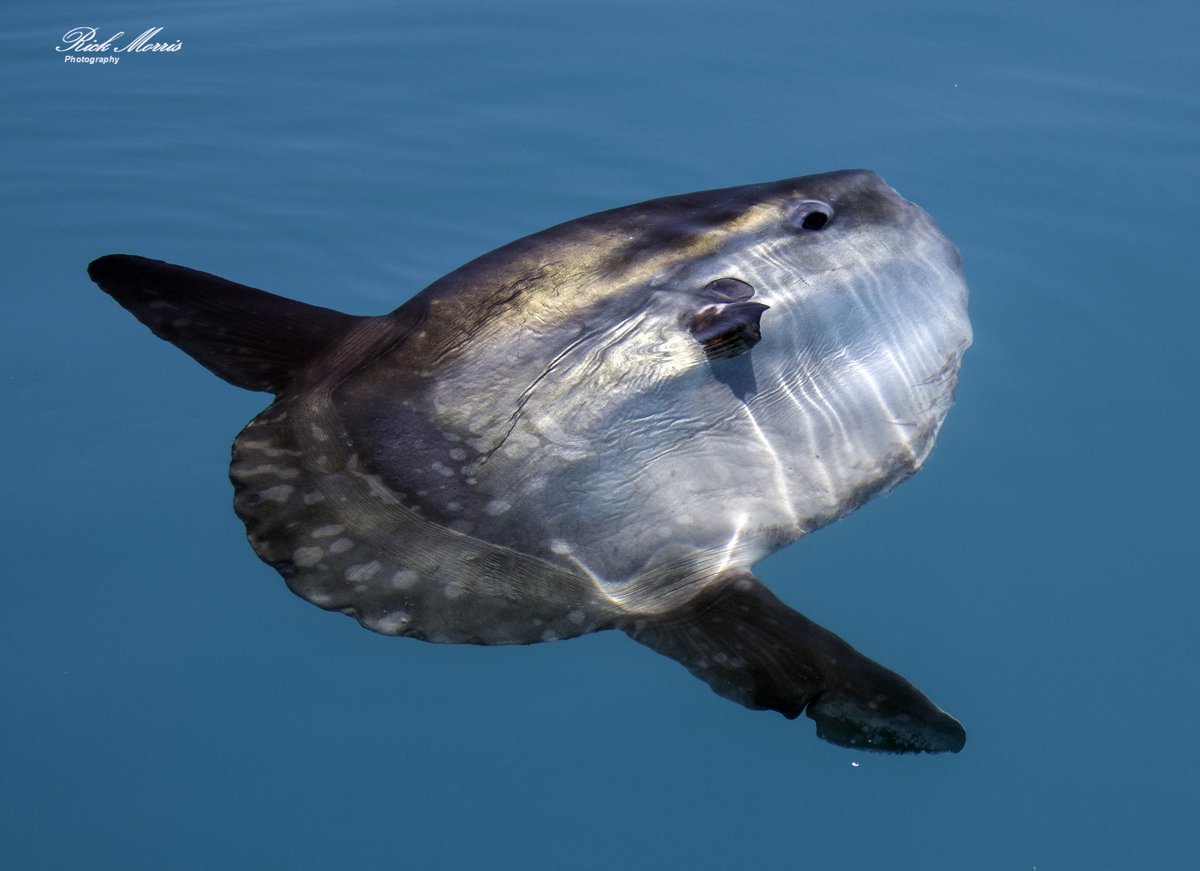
x,y
810,215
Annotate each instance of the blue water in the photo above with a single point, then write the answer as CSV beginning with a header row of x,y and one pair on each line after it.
x,y
168,704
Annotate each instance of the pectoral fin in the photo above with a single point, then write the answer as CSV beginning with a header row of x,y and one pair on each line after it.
x,y
728,329
751,648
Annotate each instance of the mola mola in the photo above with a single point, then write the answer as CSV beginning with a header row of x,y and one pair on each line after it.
x,y
603,426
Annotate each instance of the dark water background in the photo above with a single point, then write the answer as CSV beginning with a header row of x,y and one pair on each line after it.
x,y
168,704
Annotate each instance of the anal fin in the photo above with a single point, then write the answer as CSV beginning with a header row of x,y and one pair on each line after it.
x,y
752,648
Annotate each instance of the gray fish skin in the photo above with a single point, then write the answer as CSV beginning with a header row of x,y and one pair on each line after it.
x,y
604,425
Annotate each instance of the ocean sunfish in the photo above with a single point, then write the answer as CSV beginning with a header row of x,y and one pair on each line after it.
x,y
603,426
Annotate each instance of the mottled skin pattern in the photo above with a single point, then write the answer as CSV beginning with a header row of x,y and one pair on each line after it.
x,y
604,425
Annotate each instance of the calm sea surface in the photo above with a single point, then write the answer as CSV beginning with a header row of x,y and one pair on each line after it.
x,y
168,704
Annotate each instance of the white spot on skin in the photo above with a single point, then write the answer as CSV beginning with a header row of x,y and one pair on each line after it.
x,y
497,506
453,590
454,506
318,433
266,448
341,545
404,579
549,635
559,546
278,493
458,454
328,531
307,556
393,623
285,472
575,617
313,498
442,470
364,572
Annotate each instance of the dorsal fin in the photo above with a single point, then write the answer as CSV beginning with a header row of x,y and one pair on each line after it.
x,y
248,337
